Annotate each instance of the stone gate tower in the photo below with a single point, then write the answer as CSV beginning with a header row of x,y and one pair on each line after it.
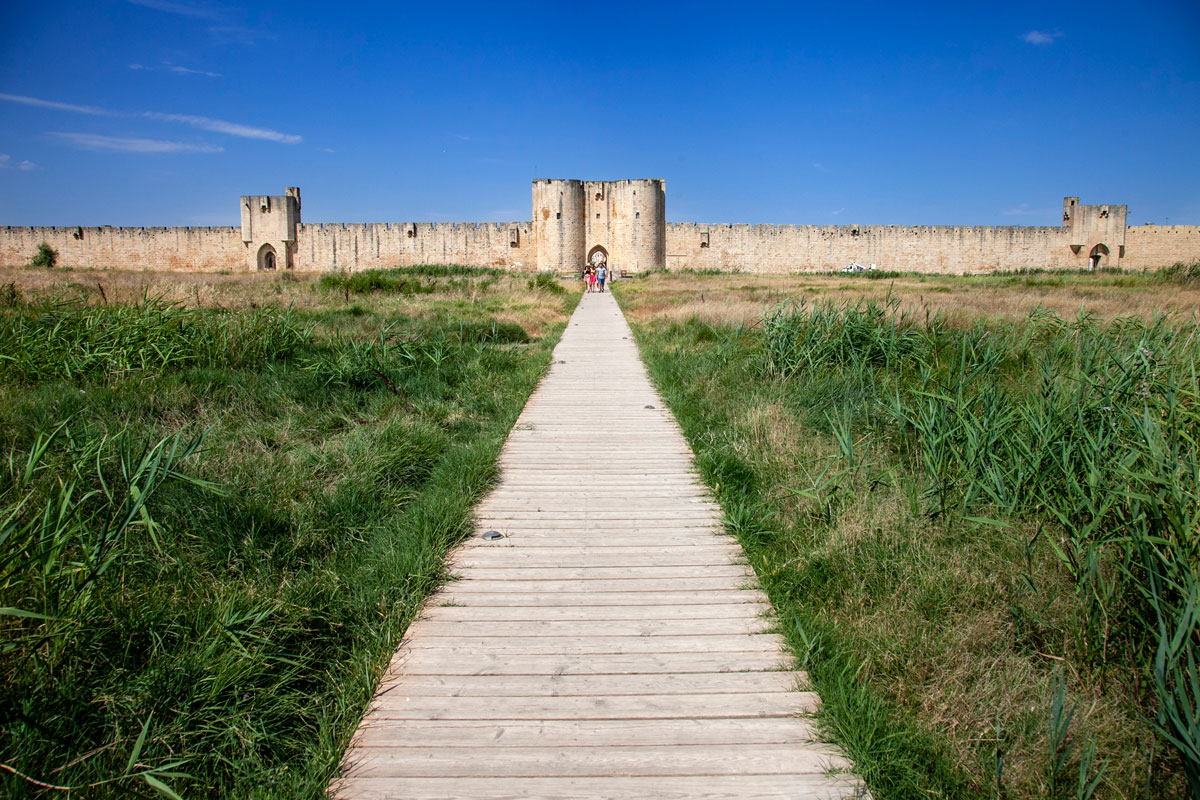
x,y
622,223
269,225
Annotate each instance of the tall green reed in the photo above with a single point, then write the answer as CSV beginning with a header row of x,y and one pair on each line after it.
x,y
1088,428
69,339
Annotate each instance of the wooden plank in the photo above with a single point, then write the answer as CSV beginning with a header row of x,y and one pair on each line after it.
x,y
601,529
611,787
590,685
577,559
723,626
624,585
391,704
482,572
532,541
453,733
517,762
600,501
588,613
470,595
704,515
471,646
446,662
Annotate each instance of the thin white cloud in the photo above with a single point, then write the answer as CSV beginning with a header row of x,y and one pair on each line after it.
x,y
819,167
94,141
1041,38
39,103
221,126
6,162
195,121
183,9
836,213
239,34
185,71
1022,210
178,70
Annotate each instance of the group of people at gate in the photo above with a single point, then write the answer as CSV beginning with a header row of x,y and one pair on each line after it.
x,y
595,277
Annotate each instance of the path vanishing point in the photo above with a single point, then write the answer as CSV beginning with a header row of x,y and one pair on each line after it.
x,y
613,643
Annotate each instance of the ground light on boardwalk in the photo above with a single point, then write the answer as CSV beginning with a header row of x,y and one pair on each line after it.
x,y
609,643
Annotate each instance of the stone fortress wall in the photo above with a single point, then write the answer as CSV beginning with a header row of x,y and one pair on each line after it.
x,y
620,222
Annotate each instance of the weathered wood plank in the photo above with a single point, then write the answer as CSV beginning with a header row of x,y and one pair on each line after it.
x,y
477,558
508,596
470,646
517,762
644,571
591,732
592,685
391,704
613,585
589,613
612,787
434,628
444,662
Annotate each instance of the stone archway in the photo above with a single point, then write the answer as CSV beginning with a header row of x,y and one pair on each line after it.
x,y
266,257
597,256
1097,257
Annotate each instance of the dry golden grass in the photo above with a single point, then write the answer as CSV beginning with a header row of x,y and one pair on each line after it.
x,y
508,298
740,297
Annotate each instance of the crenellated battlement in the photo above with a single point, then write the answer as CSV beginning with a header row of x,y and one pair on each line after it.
x,y
621,223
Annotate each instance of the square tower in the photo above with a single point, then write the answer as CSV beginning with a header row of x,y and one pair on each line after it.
x,y
269,225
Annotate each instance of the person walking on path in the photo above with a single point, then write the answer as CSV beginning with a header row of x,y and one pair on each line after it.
x,y
601,274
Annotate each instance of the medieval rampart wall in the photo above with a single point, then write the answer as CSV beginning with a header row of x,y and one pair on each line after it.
x,y
1154,246
182,249
575,219
370,245
815,248
350,246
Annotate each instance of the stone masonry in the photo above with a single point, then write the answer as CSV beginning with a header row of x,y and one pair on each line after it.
x,y
622,223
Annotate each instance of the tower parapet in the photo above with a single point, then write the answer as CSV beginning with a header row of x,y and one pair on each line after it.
x,y
269,224
1096,233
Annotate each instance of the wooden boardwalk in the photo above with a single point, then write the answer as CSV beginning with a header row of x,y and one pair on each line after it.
x,y
611,644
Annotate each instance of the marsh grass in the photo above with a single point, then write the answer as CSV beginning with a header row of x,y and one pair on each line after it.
x,y
741,298
981,538
215,525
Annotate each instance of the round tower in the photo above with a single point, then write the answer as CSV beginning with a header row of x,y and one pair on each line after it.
x,y
647,205
559,214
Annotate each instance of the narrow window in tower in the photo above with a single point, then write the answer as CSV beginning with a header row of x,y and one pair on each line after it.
x,y
637,214
597,216
558,215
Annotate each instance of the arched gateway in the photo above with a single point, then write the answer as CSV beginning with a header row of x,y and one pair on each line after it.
x,y
266,257
597,256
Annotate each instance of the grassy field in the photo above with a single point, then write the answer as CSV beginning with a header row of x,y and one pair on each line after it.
x,y
974,503
222,499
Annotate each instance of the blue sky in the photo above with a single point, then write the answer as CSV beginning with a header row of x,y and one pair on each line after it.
x,y
163,112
